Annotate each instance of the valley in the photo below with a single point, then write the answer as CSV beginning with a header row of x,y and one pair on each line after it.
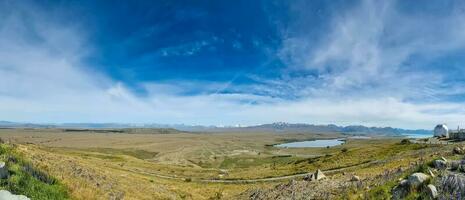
x,y
188,165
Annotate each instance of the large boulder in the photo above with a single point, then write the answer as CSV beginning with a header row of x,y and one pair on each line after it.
x,y
319,175
3,171
355,178
416,179
440,164
452,184
432,191
6,195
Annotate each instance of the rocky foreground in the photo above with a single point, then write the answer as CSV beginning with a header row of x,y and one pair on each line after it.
x,y
442,179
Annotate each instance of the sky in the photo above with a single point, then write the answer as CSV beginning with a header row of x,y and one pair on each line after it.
x,y
374,63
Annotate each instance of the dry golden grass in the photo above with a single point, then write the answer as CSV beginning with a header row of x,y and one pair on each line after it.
x,y
171,166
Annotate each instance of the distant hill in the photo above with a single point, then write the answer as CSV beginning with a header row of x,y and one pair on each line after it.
x,y
283,127
278,127
7,124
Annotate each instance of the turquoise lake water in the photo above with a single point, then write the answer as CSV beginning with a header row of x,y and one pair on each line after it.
x,y
313,143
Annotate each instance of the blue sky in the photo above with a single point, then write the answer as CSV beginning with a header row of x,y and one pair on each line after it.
x,y
390,63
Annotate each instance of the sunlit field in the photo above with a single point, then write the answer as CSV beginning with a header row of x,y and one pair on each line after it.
x,y
200,165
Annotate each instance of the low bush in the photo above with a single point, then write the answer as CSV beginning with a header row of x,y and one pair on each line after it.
x,y
405,141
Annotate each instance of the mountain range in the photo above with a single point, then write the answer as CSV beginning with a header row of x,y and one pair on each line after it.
x,y
278,127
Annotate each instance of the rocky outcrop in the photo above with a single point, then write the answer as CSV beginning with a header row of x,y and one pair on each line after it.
x,y
452,184
416,179
405,185
6,195
454,164
458,150
432,191
401,190
318,175
440,164
3,171
309,177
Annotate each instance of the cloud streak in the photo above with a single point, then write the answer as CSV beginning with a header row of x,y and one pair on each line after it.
x,y
360,72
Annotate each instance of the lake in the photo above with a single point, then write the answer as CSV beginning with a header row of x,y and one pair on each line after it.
x,y
418,135
313,143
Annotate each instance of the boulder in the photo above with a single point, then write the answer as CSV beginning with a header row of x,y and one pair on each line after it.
x,y
309,177
355,178
454,164
319,175
6,195
432,191
461,168
3,171
457,150
403,183
416,179
399,192
440,164
453,184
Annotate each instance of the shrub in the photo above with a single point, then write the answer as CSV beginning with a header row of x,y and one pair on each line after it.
x,y
423,168
405,141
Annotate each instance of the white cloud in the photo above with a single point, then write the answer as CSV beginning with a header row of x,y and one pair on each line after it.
x,y
366,49
44,80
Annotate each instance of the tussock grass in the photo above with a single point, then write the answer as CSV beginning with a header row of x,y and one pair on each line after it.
x,y
26,180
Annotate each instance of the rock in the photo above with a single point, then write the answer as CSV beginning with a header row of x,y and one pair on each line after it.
x,y
457,150
452,184
445,160
399,192
3,171
6,195
432,191
309,177
440,164
355,178
416,179
403,183
454,164
461,168
319,175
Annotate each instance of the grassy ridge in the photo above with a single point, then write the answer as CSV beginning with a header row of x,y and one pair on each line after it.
x,y
26,180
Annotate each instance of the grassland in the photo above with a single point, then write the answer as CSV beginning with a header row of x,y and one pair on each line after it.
x,y
24,178
103,165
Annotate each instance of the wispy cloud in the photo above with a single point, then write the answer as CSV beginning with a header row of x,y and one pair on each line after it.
x,y
379,48
367,69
